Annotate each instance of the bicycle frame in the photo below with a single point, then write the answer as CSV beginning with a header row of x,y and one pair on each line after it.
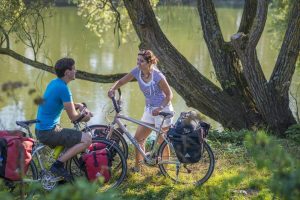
x,y
149,159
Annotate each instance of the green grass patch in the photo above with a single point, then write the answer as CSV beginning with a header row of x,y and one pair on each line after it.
x,y
248,166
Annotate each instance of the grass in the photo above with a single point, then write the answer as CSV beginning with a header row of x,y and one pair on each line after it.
x,y
236,176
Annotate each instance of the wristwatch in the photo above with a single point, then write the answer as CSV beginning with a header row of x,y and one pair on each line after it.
x,y
162,107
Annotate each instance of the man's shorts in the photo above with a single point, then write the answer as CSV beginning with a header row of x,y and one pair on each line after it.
x,y
59,137
156,120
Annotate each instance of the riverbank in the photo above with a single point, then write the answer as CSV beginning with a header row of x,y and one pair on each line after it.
x,y
248,166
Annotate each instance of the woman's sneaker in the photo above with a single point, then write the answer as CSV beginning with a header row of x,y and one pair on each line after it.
x,y
135,169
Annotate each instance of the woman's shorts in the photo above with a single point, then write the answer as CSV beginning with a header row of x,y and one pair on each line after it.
x,y
157,120
59,137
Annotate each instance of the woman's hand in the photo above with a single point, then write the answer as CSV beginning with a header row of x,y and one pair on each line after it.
x,y
111,93
156,111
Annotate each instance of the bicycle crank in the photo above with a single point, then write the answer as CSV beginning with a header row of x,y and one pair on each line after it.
x,y
150,161
49,181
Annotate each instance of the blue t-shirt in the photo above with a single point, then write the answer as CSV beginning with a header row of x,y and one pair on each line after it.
x,y
152,92
49,112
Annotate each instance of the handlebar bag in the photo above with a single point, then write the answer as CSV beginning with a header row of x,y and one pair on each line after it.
x,y
15,154
97,164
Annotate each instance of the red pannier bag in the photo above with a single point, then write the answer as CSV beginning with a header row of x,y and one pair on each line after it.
x,y
96,146
97,163
13,148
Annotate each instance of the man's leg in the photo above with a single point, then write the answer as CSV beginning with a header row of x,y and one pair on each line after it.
x,y
70,138
85,142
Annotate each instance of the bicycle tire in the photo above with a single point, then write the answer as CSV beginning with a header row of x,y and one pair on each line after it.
x,y
189,173
117,136
118,172
33,169
31,176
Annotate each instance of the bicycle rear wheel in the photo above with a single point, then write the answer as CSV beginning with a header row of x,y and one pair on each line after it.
x,y
118,168
101,131
186,173
30,177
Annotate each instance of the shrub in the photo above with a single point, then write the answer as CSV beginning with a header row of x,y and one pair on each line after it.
x,y
268,154
293,133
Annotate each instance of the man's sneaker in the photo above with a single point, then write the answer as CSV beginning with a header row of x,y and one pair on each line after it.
x,y
61,171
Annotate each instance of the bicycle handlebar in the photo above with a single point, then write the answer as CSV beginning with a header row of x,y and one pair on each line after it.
x,y
82,115
117,103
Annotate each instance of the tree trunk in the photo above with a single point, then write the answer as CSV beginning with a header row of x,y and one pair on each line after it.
x,y
246,98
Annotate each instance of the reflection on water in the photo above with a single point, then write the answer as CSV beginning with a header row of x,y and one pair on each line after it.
x,y
66,36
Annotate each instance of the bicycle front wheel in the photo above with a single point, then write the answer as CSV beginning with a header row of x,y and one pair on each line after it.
x,y
101,131
185,173
118,167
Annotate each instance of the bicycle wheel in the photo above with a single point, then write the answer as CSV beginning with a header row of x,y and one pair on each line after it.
x,y
31,176
101,131
32,172
118,167
186,173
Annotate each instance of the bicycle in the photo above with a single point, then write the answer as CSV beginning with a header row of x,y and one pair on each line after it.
x,y
194,173
43,155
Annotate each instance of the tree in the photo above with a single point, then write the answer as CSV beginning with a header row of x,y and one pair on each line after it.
x,y
245,99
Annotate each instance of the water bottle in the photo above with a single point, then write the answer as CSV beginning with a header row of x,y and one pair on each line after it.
x,y
150,140
57,151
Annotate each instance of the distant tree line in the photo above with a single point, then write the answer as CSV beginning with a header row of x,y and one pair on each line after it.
x,y
167,2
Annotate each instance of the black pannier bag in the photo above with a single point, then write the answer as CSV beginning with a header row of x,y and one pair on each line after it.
x,y
187,137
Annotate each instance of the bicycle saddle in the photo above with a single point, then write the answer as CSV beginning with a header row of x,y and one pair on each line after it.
x,y
25,124
167,114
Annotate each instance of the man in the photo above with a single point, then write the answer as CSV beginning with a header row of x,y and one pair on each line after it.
x,y
56,98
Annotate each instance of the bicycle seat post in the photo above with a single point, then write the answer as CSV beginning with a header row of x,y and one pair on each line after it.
x,y
161,125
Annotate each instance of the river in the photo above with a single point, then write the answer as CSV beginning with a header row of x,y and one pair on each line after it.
x,y
67,36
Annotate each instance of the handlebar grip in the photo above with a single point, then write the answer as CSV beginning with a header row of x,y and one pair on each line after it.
x,y
79,119
117,108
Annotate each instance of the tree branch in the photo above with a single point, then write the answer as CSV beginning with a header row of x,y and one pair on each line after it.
x,y
80,74
289,51
259,23
214,40
6,37
249,13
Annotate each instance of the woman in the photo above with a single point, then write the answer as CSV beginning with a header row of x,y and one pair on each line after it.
x,y
157,93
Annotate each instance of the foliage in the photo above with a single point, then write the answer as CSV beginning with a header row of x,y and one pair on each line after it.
x,y
293,133
280,11
81,189
268,154
25,19
236,137
9,90
103,15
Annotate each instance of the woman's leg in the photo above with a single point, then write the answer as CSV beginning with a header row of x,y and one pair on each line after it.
x,y
166,153
140,135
